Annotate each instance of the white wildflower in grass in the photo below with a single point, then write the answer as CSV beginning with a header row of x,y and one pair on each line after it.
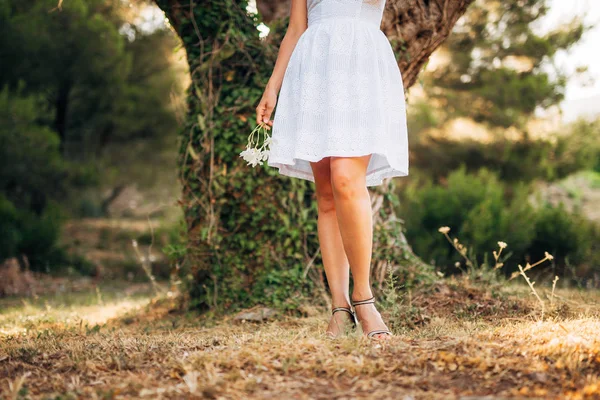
x,y
256,151
462,250
548,257
502,246
444,229
553,288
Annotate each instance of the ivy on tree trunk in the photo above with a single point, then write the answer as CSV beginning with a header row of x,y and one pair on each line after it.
x,y
252,233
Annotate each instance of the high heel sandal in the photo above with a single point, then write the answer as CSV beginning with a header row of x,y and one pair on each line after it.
x,y
374,332
347,310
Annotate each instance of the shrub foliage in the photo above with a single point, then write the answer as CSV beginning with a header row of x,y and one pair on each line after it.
x,y
481,210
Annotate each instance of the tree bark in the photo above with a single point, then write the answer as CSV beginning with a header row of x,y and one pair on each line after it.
x,y
418,27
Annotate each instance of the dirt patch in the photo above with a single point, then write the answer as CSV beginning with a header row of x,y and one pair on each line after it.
x,y
460,301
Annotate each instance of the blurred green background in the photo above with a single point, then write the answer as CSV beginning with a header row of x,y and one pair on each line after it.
x,y
505,143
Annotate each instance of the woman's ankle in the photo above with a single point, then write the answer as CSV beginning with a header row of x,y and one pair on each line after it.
x,y
340,302
359,294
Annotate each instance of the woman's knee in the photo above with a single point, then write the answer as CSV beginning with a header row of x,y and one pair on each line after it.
x,y
346,185
321,172
348,177
325,200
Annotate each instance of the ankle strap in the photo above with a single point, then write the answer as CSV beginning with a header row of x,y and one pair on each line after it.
x,y
346,309
361,302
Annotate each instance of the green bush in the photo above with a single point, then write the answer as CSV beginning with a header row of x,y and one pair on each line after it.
x,y
578,149
9,226
521,160
39,236
569,237
482,210
526,159
32,178
25,233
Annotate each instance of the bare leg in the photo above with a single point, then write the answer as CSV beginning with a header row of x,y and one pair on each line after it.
x,y
335,261
355,219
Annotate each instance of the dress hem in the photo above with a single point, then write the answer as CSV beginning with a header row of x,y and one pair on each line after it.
x,y
374,177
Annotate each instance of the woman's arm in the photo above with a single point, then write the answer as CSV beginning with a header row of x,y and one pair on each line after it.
x,y
296,27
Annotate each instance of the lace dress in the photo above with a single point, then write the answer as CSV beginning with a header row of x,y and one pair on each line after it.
x,y
342,94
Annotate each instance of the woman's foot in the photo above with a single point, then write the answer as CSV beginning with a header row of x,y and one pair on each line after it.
x,y
341,322
371,320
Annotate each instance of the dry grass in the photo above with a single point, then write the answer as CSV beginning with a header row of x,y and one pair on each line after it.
x,y
151,352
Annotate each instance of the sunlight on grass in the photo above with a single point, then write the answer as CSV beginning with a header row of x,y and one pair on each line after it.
x,y
19,315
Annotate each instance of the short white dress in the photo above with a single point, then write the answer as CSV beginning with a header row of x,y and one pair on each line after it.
x,y
342,94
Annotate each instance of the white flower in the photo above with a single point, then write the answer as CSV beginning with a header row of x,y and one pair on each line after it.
x,y
444,229
502,245
251,156
255,153
254,157
265,155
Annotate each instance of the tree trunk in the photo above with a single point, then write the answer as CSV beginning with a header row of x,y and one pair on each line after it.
x,y
252,234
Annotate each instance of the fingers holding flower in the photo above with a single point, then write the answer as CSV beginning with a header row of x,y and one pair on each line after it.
x,y
265,108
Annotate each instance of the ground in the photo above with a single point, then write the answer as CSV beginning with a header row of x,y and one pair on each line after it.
x,y
453,341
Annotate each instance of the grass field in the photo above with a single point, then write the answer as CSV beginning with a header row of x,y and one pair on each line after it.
x,y
453,341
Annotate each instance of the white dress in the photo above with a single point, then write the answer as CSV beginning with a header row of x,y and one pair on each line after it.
x,y
342,94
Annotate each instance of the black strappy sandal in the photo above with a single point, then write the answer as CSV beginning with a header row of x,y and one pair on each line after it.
x,y
377,331
347,310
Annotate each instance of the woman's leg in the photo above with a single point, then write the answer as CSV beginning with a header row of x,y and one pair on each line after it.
x,y
355,219
335,261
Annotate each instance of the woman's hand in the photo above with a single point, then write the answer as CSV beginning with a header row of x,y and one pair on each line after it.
x,y
265,108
